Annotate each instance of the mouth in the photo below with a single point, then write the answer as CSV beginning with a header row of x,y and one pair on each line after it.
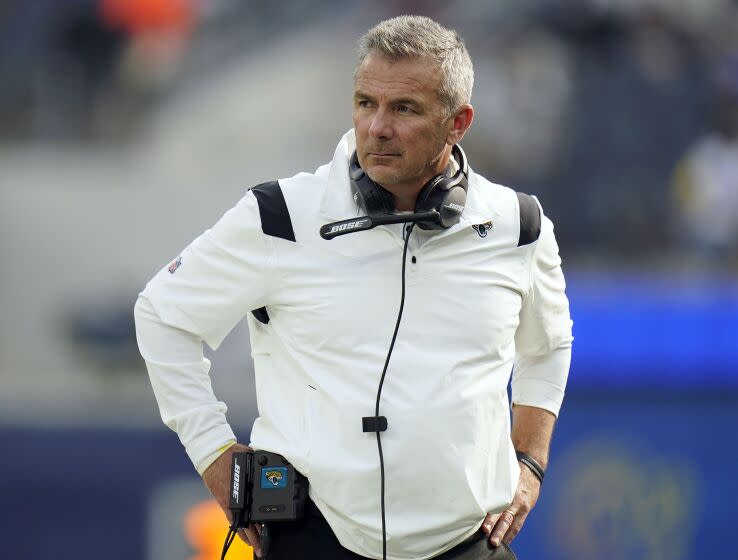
x,y
382,155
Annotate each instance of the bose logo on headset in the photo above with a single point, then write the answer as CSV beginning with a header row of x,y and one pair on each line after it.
x,y
453,206
350,225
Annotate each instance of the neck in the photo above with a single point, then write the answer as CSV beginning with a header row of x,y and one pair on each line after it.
x,y
404,201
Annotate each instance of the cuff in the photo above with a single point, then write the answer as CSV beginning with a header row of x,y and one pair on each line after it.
x,y
540,381
202,448
210,459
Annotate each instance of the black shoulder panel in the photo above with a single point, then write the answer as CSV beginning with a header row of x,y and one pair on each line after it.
x,y
275,221
275,218
261,315
530,219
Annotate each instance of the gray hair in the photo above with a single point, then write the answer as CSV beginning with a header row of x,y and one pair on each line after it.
x,y
421,37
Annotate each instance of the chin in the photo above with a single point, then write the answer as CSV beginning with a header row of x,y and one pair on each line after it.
x,y
382,177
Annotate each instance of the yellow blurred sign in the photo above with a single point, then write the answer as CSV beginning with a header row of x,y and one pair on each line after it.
x,y
206,527
621,501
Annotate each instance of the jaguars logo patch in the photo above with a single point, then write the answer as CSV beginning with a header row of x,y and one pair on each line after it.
x,y
483,229
274,477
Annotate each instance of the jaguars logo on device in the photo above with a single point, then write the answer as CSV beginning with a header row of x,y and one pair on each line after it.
x,y
274,477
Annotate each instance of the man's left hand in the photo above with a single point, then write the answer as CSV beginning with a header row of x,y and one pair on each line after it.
x,y
506,525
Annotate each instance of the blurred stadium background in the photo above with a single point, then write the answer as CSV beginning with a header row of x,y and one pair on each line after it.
x,y
129,126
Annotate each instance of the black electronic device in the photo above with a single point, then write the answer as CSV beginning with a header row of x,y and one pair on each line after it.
x,y
265,488
438,206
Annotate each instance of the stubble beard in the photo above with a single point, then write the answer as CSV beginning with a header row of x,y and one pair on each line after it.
x,y
427,171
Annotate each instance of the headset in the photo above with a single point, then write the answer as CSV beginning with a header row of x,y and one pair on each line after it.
x,y
439,204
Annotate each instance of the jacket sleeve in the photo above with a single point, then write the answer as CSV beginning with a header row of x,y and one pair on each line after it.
x,y
544,335
217,279
199,298
179,377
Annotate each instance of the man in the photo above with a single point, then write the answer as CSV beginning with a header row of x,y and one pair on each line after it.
x,y
474,297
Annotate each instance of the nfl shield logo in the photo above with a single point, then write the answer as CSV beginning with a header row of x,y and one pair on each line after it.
x,y
175,265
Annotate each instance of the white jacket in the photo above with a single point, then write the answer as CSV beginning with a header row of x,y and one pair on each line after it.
x,y
475,305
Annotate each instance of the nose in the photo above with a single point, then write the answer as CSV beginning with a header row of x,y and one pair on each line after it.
x,y
381,125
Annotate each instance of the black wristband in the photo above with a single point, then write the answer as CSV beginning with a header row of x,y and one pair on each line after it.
x,y
532,464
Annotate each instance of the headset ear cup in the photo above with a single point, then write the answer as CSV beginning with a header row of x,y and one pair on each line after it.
x,y
428,194
372,198
446,195
387,199
452,205
431,199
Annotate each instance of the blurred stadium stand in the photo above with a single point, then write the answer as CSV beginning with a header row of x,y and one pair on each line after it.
x,y
128,127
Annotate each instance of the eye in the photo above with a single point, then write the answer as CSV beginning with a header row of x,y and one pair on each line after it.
x,y
362,103
404,109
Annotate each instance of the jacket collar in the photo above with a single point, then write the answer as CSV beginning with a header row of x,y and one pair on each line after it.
x,y
338,203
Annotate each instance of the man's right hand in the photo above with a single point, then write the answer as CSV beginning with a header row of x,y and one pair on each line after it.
x,y
217,478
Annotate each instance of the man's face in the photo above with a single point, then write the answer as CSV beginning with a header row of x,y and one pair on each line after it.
x,y
400,123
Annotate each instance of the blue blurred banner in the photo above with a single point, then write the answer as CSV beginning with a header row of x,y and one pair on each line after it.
x,y
639,479
635,331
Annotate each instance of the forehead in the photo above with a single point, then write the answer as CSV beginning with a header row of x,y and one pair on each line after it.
x,y
379,75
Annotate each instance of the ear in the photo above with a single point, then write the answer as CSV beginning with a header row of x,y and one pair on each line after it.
x,y
460,123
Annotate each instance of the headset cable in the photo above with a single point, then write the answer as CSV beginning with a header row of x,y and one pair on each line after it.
x,y
407,231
